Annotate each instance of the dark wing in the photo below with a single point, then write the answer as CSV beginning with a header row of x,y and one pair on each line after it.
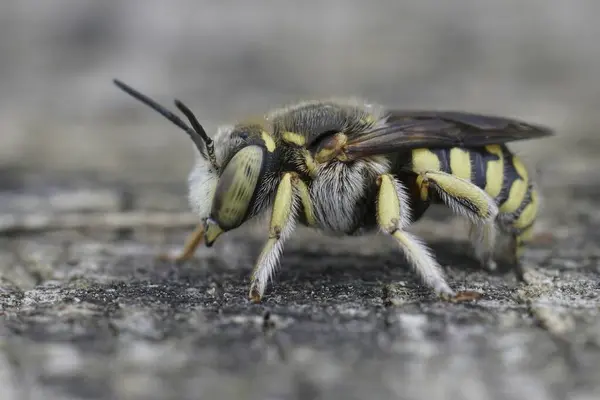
x,y
406,130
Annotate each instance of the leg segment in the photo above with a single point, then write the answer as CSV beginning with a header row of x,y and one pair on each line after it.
x,y
519,225
283,218
191,244
483,240
304,194
465,198
392,218
460,195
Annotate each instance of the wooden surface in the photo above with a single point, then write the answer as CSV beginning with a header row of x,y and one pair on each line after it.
x,y
91,313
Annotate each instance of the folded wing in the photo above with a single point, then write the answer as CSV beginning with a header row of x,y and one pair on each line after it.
x,y
406,130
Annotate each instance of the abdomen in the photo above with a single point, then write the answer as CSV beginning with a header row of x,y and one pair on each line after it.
x,y
494,169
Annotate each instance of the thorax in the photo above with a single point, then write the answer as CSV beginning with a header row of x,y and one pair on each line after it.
x,y
343,194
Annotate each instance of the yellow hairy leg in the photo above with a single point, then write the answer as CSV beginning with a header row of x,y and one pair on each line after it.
x,y
191,244
460,195
392,218
281,225
304,194
465,198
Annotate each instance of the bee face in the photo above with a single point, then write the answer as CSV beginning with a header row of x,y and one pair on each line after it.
x,y
229,170
225,199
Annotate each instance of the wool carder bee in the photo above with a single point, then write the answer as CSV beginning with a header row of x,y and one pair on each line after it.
x,y
348,167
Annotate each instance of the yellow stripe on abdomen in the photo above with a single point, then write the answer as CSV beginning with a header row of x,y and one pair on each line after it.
x,y
425,160
515,197
529,213
521,170
518,188
460,163
494,176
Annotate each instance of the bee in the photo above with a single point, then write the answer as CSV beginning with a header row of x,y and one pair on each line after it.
x,y
350,167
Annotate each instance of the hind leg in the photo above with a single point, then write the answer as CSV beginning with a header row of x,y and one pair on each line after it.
x,y
483,240
465,199
519,226
518,239
511,257
393,216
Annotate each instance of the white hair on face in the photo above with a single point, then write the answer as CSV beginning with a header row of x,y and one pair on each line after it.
x,y
202,183
203,178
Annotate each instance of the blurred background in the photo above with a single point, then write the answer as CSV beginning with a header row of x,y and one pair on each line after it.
x,y
532,59
64,123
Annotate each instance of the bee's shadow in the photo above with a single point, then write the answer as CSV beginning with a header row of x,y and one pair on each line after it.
x,y
334,261
302,264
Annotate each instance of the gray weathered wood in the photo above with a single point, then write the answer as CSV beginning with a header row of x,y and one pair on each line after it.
x,y
88,316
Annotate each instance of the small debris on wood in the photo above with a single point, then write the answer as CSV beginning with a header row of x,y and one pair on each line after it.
x,y
466,295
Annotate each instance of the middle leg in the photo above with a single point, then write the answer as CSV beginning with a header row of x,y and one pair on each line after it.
x,y
393,216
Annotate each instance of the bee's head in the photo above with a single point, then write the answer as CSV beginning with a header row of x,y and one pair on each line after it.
x,y
244,152
226,179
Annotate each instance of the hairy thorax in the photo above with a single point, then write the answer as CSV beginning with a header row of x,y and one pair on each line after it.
x,y
342,194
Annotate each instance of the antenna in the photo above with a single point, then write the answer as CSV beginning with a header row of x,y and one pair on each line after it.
x,y
210,146
198,135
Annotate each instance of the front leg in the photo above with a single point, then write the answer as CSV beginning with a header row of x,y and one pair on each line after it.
x,y
392,217
191,244
283,218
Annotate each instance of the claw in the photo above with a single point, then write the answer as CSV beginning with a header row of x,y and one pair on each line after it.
x,y
255,297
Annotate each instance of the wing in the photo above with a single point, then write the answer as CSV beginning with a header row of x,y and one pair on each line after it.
x,y
414,129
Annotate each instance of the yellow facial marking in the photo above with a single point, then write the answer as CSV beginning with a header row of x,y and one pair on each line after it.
x,y
515,197
529,212
494,178
425,160
213,231
269,142
461,189
236,187
293,138
460,163
388,214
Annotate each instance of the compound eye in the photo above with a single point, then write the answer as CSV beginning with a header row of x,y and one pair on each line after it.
x,y
236,188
